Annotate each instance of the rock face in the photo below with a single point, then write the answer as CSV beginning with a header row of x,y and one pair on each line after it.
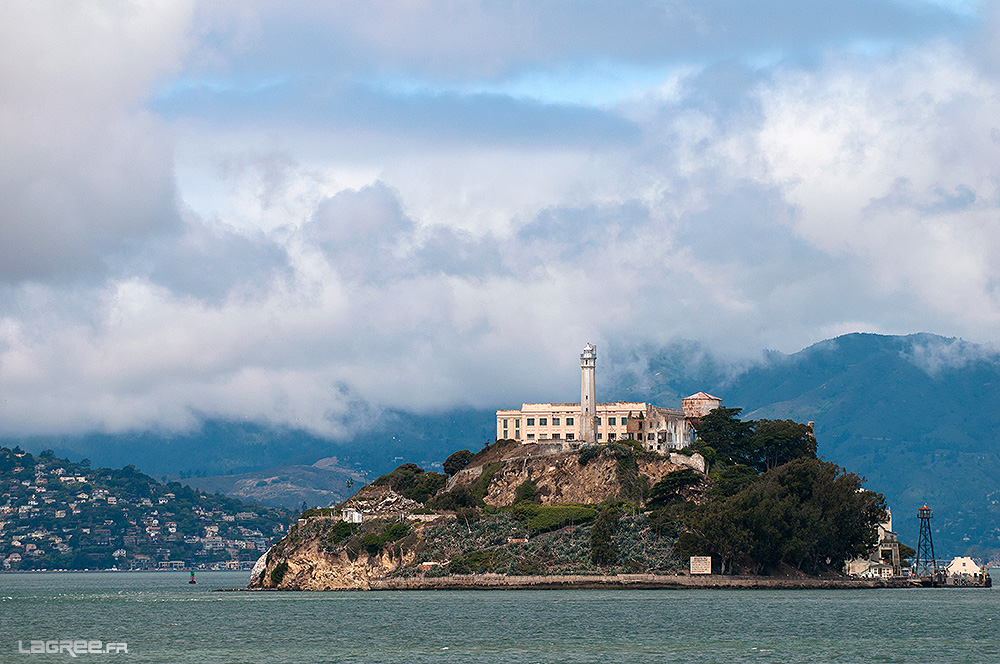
x,y
322,552
304,562
561,478
381,502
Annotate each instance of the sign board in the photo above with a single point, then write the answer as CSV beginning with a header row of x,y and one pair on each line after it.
x,y
701,564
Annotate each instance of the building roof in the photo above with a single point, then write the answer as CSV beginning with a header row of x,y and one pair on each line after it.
x,y
702,395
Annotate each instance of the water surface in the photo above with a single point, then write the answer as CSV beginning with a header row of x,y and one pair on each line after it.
x,y
164,619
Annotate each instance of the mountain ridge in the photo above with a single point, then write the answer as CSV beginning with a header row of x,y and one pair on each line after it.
x,y
913,414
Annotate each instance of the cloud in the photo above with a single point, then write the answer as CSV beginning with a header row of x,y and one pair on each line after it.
x,y
936,355
896,165
482,40
303,214
84,168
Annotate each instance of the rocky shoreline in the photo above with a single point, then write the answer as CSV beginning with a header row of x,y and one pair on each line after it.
x,y
626,581
636,581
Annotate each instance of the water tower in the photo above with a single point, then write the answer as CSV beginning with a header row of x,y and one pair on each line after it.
x,y
925,563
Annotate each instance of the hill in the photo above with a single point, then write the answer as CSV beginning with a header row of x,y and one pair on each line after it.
x,y
224,448
913,414
56,514
321,484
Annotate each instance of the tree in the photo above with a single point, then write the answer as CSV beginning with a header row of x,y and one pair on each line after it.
x,y
412,482
730,480
807,513
603,549
758,444
669,488
779,441
726,434
457,461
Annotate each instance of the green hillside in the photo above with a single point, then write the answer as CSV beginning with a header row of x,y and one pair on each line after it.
x,y
56,514
913,414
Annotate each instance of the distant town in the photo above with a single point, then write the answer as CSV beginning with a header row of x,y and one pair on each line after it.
x,y
56,514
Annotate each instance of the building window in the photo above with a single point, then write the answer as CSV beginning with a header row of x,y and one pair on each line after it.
x,y
611,436
531,436
570,436
543,421
612,420
649,436
555,436
569,421
531,421
598,421
505,424
555,421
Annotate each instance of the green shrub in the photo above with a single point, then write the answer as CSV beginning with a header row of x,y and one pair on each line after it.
x,y
372,543
395,531
340,531
278,573
478,562
590,453
482,484
540,519
467,515
412,482
453,500
526,491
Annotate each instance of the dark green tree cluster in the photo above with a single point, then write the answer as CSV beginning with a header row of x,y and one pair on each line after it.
x,y
412,482
809,514
670,488
457,461
769,501
759,444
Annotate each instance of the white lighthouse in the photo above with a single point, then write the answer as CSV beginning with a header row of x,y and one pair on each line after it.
x,y
588,395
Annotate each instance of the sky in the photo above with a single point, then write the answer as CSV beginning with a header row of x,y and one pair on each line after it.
x,y
305,213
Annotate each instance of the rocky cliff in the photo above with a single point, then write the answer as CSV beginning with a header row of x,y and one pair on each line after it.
x,y
561,478
305,561
517,513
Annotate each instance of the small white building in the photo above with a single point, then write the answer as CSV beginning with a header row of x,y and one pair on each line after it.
x,y
963,566
883,561
351,515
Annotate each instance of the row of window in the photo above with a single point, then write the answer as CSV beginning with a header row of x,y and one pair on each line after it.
x,y
555,436
544,421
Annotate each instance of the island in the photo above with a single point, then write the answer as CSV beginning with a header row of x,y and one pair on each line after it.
x,y
751,495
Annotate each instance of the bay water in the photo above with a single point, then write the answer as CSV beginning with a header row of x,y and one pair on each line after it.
x,y
162,618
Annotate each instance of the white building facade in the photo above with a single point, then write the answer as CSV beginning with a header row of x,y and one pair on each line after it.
x,y
589,422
